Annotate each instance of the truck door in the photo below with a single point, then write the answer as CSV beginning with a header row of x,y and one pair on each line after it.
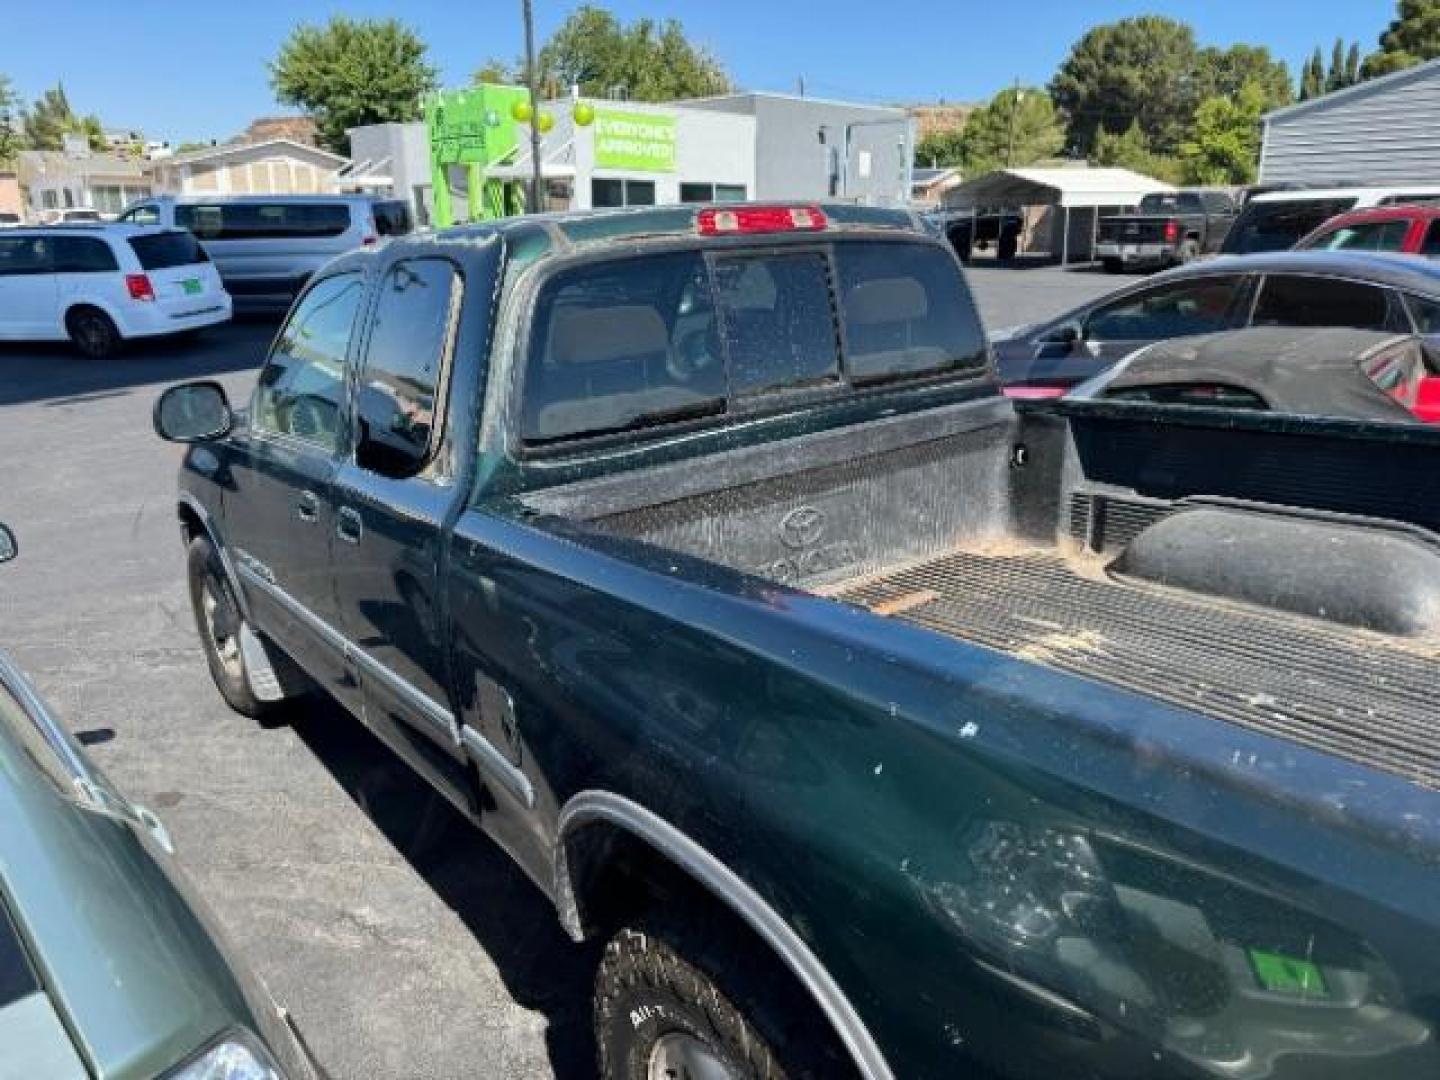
x,y
281,528
392,497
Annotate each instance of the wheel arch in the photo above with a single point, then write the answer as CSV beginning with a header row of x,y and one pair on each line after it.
x,y
195,521
590,826
96,304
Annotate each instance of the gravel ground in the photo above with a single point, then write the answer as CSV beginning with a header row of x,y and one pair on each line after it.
x,y
397,958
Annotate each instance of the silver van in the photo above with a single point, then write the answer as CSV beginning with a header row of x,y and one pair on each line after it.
x,y
267,246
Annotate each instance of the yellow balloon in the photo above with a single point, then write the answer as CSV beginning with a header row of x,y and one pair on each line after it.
x,y
521,111
545,122
584,113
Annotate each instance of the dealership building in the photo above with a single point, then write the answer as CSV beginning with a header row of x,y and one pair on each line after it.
x,y
624,153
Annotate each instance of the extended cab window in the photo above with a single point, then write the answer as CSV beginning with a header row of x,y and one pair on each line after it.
x,y
623,345
905,312
398,399
302,386
1296,300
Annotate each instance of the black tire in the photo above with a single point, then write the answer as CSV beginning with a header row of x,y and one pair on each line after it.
x,y
1112,266
1007,248
669,987
92,332
218,621
1189,251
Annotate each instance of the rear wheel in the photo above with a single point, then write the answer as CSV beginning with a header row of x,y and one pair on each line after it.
x,y
219,621
694,998
92,332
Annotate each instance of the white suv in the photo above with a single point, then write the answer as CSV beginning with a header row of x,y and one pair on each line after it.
x,y
102,285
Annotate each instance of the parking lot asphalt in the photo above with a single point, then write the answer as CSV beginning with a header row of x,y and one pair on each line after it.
x,y
403,942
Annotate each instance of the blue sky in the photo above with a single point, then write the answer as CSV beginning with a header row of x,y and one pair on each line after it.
x,y
197,70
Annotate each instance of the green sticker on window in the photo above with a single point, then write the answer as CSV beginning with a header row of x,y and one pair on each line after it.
x,y
1288,975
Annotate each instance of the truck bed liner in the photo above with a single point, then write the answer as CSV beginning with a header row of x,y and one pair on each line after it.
x,y
1364,696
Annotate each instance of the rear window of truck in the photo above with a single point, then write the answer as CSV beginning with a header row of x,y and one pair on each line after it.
x,y
160,251
646,341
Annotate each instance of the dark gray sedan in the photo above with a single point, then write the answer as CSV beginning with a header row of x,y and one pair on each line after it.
x,y
1363,290
109,968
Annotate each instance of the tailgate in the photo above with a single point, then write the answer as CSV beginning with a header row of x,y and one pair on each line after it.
x,y
1132,230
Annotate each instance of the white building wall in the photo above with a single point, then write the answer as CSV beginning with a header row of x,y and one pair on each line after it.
x,y
1382,132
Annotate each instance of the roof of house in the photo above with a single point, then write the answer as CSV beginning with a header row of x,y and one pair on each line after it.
x,y
799,99
228,149
1324,101
97,163
1072,186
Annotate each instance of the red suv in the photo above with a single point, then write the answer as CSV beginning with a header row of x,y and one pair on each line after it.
x,y
1409,230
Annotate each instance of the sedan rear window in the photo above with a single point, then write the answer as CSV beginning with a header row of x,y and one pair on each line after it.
x,y
160,251
1298,300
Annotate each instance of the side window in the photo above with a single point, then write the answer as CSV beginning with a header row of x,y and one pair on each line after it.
x,y
303,383
399,398
83,255
25,255
1365,236
778,321
1430,245
1425,312
906,311
1294,300
142,215
627,345
1167,311
393,219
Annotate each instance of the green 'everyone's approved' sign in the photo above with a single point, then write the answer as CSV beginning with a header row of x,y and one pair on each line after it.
x,y
634,141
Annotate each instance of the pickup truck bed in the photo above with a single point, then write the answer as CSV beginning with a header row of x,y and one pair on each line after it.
x,y
910,528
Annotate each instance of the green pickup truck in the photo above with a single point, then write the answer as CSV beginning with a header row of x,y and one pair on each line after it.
x,y
881,726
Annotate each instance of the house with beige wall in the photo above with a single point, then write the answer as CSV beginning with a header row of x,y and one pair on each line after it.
x,y
271,167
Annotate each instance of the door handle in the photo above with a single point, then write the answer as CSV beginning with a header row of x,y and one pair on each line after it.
x,y
348,525
308,508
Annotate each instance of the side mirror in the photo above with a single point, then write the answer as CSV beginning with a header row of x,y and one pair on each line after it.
x,y
1427,400
8,547
193,412
1068,334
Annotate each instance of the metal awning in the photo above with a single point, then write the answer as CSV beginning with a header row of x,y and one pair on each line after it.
x,y
364,174
1070,187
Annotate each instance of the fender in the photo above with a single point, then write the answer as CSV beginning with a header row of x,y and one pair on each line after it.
x,y
187,501
721,882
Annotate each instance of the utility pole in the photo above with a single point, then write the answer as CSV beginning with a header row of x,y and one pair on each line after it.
x,y
536,181
1015,96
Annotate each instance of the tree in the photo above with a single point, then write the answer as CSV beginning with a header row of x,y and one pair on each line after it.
x,y
1412,37
11,139
52,118
351,72
1335,78
1312,82
495,70
1352,64
1223,72
941,149
1016,127
646,61
1132,71
1225,146
1130,149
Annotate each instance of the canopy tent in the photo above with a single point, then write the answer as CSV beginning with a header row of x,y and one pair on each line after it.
x,y
1066,187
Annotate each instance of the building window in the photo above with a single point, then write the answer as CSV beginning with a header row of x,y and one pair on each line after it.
x,y
612,192
706,193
